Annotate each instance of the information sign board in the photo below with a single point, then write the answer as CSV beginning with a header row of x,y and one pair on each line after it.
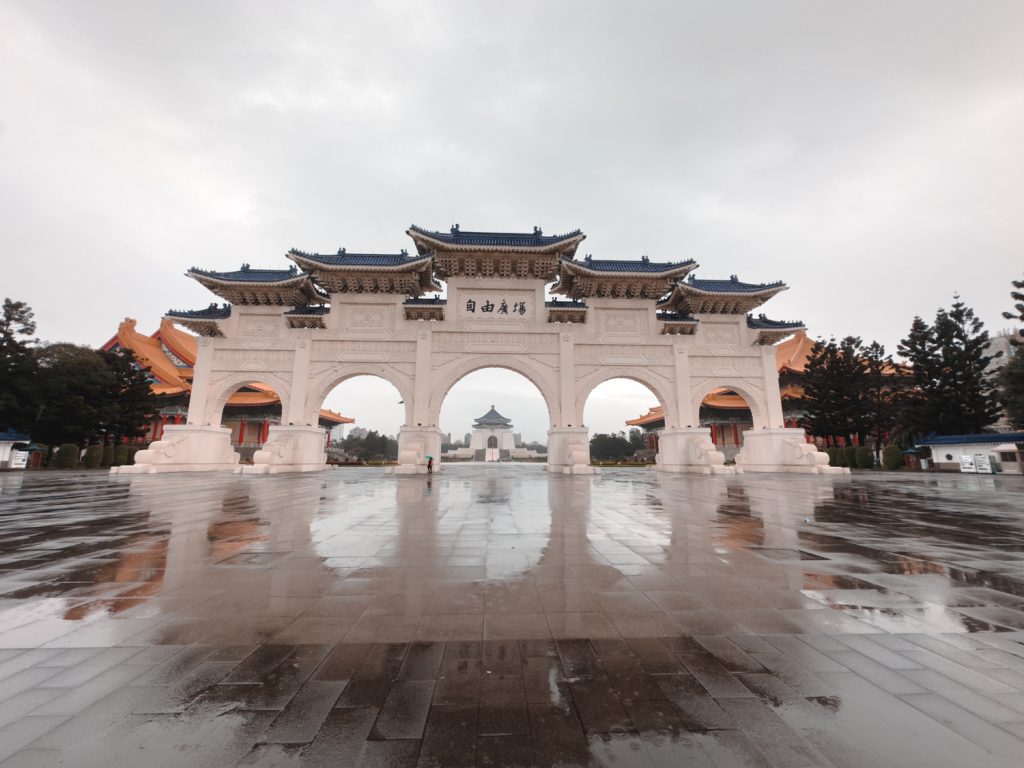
x,y
967,464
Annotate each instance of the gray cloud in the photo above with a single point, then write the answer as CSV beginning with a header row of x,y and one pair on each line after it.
x,y
869,154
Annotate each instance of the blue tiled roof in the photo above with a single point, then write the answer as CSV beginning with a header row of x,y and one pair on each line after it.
x,y
213,312
573,304
345,259
995,438
535,239
732,285
249,275
629,265
764,324
436,301
309,310
9,435
492,419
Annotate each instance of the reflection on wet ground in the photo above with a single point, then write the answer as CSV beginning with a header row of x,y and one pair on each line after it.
x,y
498,616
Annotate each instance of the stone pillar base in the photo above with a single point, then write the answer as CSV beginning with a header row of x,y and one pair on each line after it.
x,y
569,451
414,445
782,450
290,449
690,450
185,448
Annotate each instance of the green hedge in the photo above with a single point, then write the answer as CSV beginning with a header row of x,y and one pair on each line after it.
x,y
132,450
850,457
835,456
93,456
108,456
865,458
66,457
120,456
892,457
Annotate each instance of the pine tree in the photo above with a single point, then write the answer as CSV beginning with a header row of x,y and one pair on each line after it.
x,y
1011,377
132,402
953,392
835,381
881,385
1018,314
19,399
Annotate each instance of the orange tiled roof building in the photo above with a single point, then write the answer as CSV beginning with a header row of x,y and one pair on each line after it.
x,y
170,354
727,414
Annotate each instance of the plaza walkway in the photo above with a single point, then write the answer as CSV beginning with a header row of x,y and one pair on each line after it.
x,y
499,616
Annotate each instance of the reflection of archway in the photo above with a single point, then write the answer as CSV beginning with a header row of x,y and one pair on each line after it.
x,y
322,385
658,387
751,395
450,375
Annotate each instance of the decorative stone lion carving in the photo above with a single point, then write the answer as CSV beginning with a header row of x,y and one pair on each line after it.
x,y
279,450
701,451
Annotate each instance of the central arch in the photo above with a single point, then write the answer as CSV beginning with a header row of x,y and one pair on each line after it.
x,y
544,379
660,387
321,385
751,394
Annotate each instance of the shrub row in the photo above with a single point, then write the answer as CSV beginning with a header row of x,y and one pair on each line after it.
x,y
67,456
864,457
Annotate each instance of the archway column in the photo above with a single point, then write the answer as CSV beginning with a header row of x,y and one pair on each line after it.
x,y
569,451
294,445
774,447
196,446
689,450
415,444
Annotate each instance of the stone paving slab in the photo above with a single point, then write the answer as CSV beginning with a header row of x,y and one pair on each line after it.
x,y
500,616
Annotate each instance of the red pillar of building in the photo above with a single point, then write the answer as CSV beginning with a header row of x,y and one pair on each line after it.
x,y
714,435
736,434
241,431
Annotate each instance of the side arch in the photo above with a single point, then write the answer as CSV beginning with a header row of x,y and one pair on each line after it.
x,y
223,388
660,386
752,394
448,375
320,386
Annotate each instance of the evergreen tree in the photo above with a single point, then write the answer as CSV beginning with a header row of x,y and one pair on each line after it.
x,y
835,381
132,402
1011,377
1011,382
881,387
610,447
637,439
1017,294
75,387
19,399
953,392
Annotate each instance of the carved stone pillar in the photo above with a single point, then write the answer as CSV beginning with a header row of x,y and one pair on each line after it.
x,y
569,451
290,449
690,450
415,444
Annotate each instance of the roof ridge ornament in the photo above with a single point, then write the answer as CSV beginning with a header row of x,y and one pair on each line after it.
x,y
646,260
733,279
341,251
245,268
455,229
538,232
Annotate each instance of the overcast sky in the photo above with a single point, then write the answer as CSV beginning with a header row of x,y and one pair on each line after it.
x,y
869,154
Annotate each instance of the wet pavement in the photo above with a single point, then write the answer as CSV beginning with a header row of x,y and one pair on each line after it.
x,y
498,616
